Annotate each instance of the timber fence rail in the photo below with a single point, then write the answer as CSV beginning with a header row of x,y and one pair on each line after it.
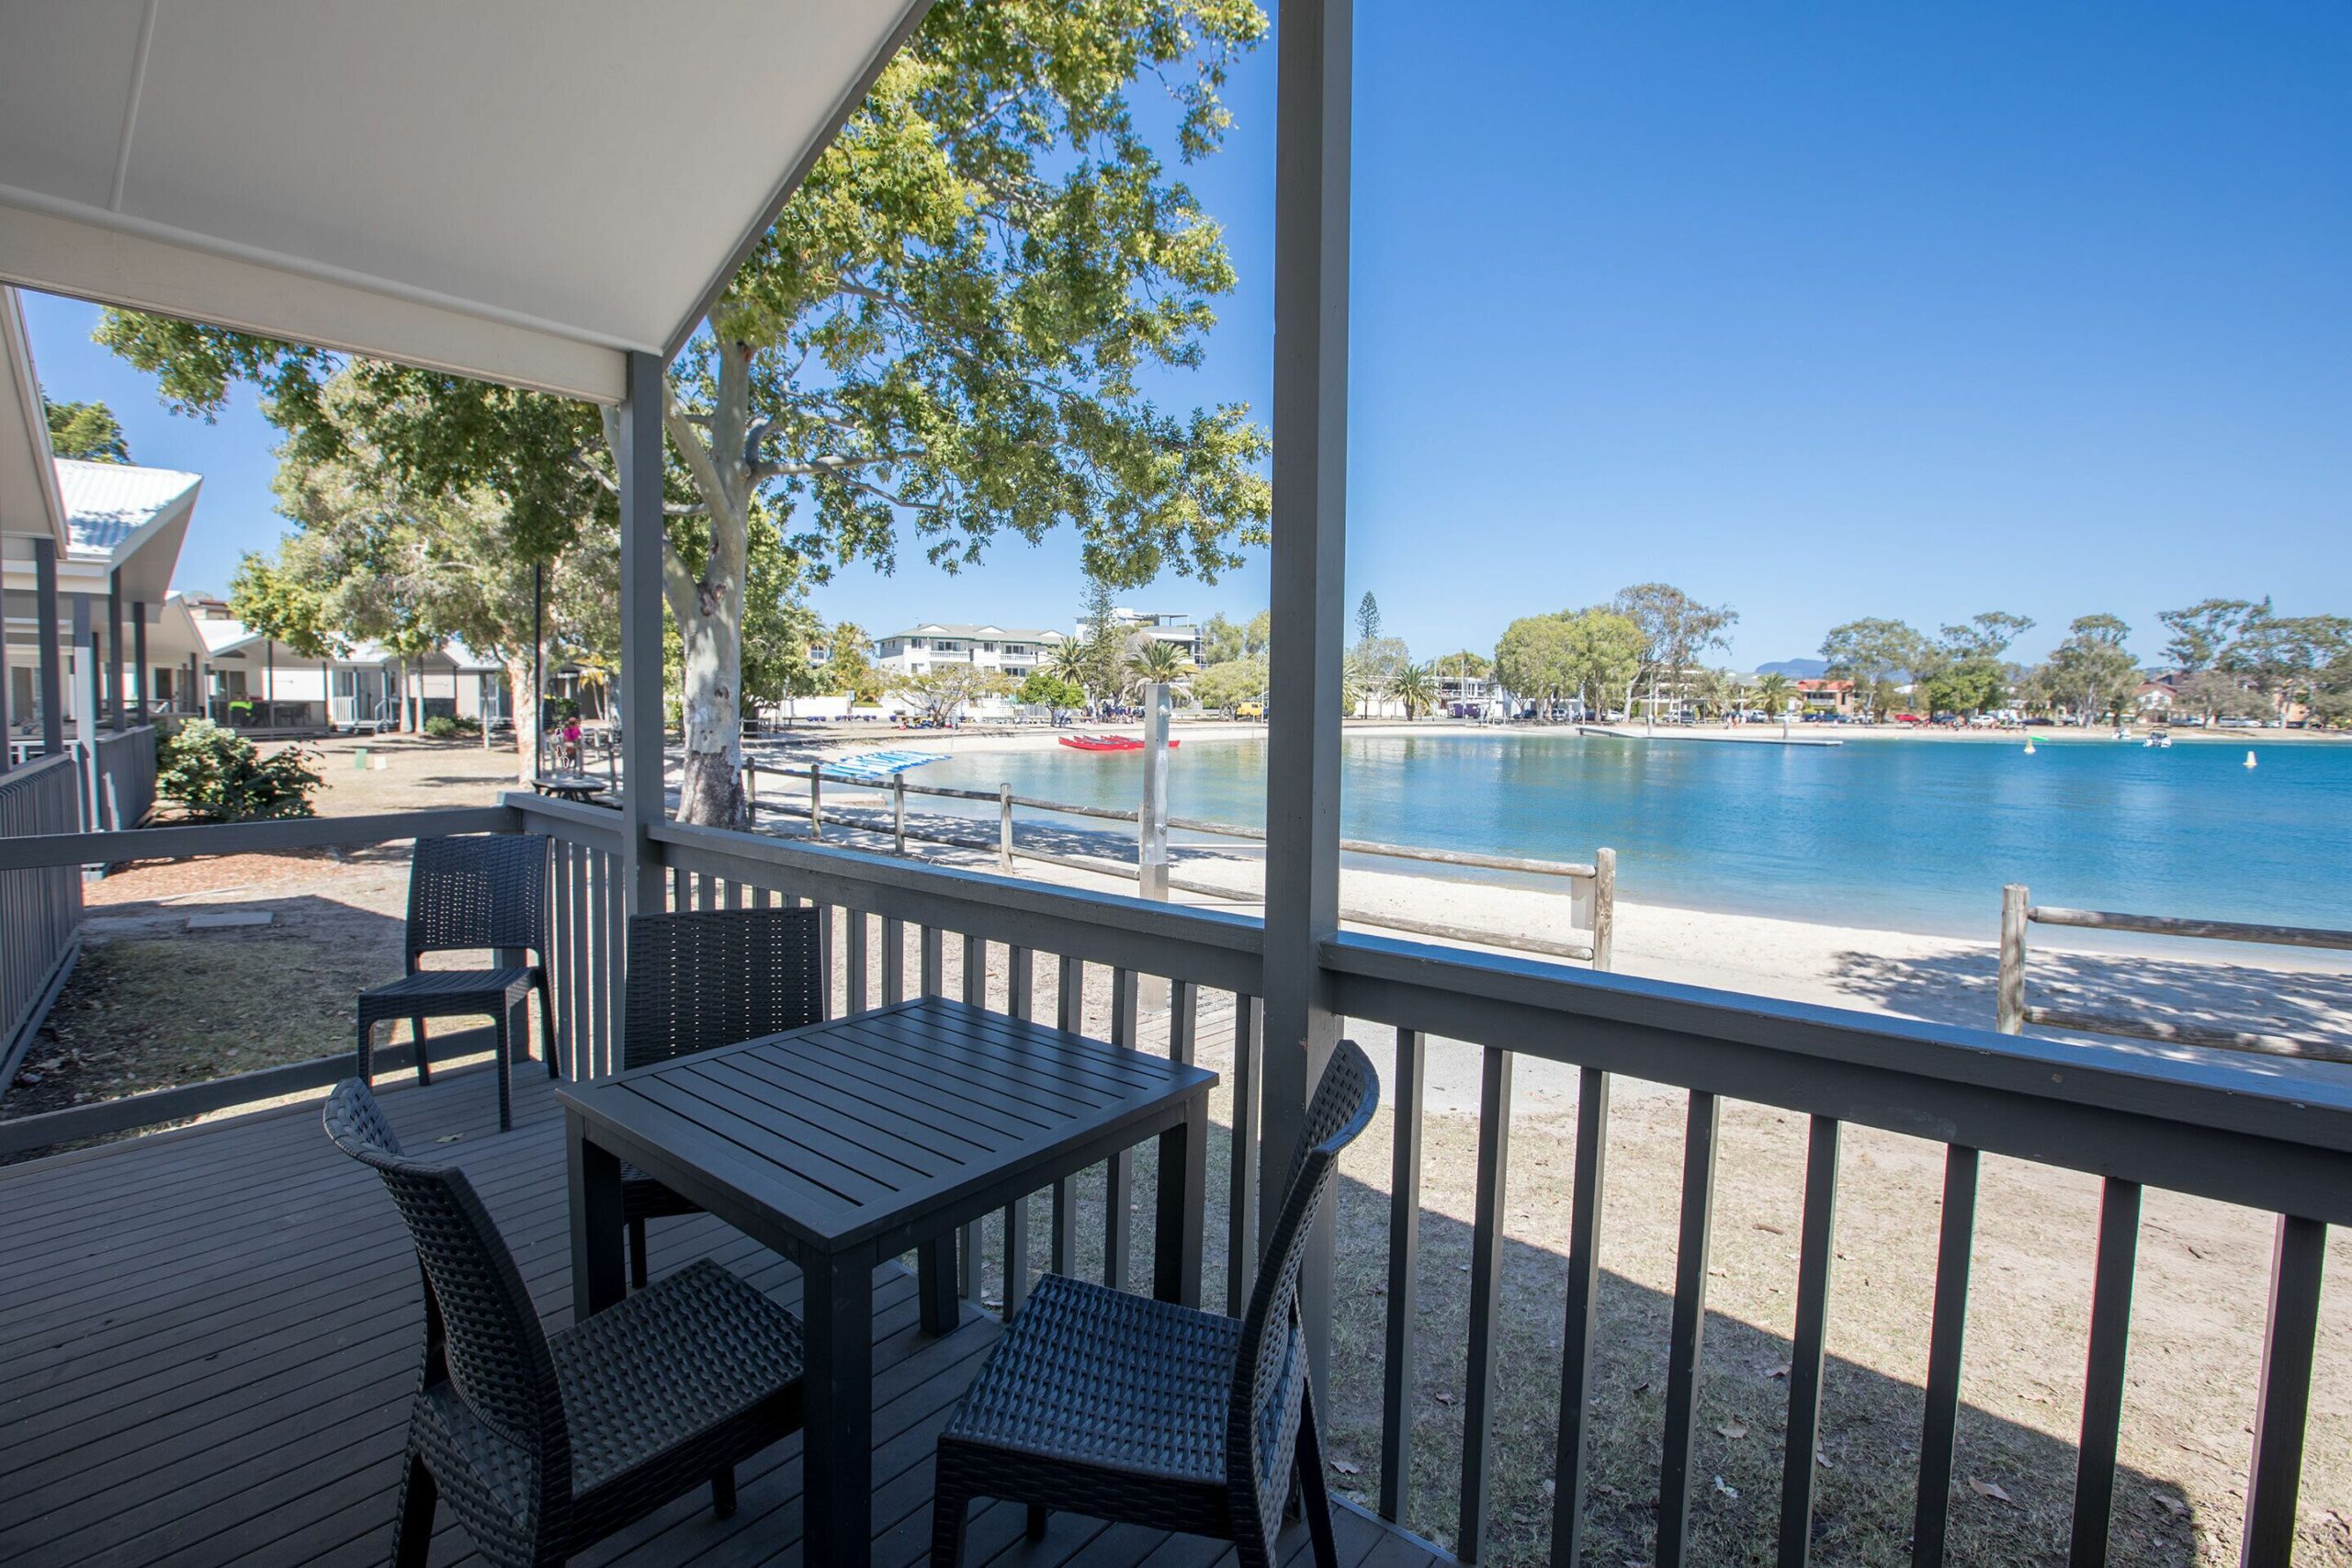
x,y
2014,1012
1596,898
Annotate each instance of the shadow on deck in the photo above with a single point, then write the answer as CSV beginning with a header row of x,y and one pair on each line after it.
x,y
208,1338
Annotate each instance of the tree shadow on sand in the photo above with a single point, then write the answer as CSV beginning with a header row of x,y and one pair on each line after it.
x,y
1959,988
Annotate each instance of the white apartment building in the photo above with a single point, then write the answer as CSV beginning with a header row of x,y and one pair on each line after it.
x,y
1016,651
1163,625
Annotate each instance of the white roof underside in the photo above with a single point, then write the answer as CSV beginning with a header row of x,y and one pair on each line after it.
x,y
30,504
518,191
132,519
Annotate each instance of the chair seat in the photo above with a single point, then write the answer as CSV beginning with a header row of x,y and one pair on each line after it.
x,y
452,990
665,1366
1093,1376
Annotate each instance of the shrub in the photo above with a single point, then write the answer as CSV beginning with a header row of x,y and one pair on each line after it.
x,y
215,775
441,727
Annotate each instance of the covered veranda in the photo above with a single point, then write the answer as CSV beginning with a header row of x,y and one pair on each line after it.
x,y
229,1312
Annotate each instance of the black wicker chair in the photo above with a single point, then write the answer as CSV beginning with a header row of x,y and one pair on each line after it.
x,y
1124,1408
481,891
701,980
544,1444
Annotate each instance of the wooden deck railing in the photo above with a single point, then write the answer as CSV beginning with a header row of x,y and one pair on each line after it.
x,y
122,778
40,907
2238,1130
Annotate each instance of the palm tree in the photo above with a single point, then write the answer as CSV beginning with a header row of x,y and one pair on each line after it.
x,y
1154,661
1415,685
1071,663
1773,692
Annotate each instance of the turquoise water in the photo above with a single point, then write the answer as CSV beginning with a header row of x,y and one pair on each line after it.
x,y
1905,835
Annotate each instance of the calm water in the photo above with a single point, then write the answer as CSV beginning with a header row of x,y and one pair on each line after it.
x,y
1915,835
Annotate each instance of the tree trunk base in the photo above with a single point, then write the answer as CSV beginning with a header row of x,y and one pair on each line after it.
x,y
711,792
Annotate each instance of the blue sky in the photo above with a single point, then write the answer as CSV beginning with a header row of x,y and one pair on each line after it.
x,y
1822,310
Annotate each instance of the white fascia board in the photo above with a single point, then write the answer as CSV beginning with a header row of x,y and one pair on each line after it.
x,y
116,260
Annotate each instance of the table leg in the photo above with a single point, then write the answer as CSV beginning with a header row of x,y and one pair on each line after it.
x,y
597,1278
1182,1206
935,1284
836,1443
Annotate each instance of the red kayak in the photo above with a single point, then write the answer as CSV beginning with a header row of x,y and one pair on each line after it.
x,y
1108,743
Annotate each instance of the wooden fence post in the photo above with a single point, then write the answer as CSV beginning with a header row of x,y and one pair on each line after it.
x,y
898,809
816,800
1004,829
1604,908
2010,998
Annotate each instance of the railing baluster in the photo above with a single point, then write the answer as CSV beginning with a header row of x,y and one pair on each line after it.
x,y
1685,1343
1404,1280
580,1066
1241,1210
560,960
600,1036
825,997
681,893
1021,1000
1070,1015
1485,1297
1119,1182
2119,1248
975,994
856,963
1184,1021
894,961
1576,1331
1815,1254
2297,1259
1945,1338
933,959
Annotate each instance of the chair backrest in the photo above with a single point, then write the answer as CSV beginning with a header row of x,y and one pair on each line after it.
x,y
482,1337
717,977
479,890
1270,1372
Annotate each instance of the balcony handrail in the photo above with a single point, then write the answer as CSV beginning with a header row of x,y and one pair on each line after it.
x,y
2215,1128
190,840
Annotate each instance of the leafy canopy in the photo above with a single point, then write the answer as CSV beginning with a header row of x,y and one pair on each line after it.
x,y
87,431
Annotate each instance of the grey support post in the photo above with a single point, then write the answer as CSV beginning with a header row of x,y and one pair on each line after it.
x,y
52,657
86,707
1311,421
1151,822
140,678
114,651
642,797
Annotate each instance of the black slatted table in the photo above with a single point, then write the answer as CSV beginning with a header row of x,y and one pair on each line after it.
x,y
848,1142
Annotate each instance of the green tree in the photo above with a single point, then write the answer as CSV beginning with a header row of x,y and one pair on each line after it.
x,y
1226,686
1052,692
1967,686
943,337
942,693
1257,637
2202,630
1773,693
1869,651
1985,636
2091,672
1367,619
1103,669
1675,628
1415,685
1223,640
1152,660
851,670
1463,665
87,431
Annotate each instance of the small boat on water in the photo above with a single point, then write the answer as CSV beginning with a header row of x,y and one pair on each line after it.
x,y
2159,740
1108,743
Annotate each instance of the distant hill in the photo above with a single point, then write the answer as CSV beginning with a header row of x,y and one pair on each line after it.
x,y
1796,669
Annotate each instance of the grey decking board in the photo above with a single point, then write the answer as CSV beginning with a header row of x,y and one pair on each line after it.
x,y
331,1503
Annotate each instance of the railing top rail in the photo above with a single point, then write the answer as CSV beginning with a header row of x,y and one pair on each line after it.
x,y
1216,949
23,774
593,824
2208,931
242,838
2258,1131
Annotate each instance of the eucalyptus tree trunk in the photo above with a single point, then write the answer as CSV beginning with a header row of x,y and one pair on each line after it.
x,y
526,704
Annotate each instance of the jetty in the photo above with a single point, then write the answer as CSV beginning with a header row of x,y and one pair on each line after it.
x,y
1719,737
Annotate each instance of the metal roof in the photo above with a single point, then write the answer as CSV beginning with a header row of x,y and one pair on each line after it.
x,y
981,633
519,192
